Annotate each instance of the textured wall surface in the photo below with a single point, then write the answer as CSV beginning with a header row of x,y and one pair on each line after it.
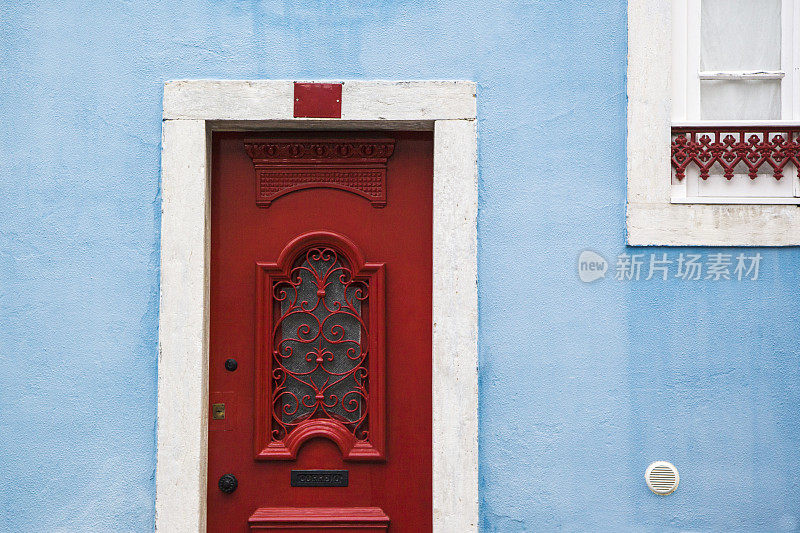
x,y
582,385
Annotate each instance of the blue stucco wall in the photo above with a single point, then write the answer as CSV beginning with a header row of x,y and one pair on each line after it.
x,y
582,385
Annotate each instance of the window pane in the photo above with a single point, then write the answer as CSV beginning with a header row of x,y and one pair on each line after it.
x,y
740,100
740,35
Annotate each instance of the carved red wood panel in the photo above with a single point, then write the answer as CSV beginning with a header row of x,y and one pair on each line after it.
x,y
320,349
291,164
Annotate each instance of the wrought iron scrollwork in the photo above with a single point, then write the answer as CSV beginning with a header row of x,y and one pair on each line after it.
x,y
320,345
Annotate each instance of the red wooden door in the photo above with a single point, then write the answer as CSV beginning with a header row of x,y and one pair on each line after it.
x,y
320,347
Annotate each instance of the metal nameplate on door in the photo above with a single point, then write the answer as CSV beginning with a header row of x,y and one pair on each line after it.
x,y
319,478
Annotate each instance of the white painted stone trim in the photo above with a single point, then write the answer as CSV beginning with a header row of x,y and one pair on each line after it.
x,y
192,109
361,100
455,326
651,218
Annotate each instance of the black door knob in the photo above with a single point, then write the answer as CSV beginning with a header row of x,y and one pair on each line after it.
x,y
228,483
231,365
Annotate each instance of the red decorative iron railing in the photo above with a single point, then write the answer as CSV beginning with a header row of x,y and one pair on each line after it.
x,y
729,150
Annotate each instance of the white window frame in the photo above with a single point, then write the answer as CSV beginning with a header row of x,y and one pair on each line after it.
x,y
652,217
192,111
686,77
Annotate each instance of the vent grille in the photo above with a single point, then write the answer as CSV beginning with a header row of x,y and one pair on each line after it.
x,y
662,477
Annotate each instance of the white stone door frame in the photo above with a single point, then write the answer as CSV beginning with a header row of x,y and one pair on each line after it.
x,y
195,108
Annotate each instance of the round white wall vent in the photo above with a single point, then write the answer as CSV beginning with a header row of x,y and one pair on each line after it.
x,y
662,477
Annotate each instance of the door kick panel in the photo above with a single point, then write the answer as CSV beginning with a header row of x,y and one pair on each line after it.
x,y
355,519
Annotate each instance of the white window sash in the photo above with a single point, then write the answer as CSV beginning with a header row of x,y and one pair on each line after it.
x,y
790,59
